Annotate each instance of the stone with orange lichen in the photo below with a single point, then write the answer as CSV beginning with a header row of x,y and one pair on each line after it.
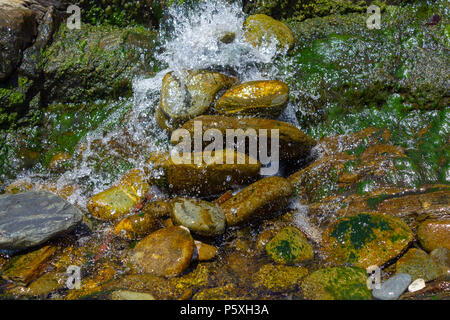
x,y
264,99
205,251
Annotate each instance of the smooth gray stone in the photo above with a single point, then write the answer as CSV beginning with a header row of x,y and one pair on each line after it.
x,y
30,218
393,287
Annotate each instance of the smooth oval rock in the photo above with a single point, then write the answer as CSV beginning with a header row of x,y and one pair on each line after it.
x,y
393,287
183,99
261,30
199,216
289,246
434,234
366,239
118,200
294,144
205,251
131,295
264,99
418,264
417,285
262,197
207,178
31,218
339,283
166,252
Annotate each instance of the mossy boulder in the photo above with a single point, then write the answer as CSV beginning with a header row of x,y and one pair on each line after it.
x,y
289,246
340,283
264,99
96,62
261,30
364,240
278,278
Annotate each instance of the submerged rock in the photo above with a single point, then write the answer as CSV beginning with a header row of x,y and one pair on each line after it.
x,y
419,265
341,283
262,30
366,239
265,196
118,200
207,178
434,234
264,99
184,99
28,219
392,288
279,278
289,246
199,216
166,252
294,144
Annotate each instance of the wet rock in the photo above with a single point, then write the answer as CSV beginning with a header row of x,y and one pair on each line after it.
x,y
289,246
278,278
57,161
143,223
205,251
294,144
417,285
17,30
130,295
49,282
265,196
227,292
189,97
208,178
366,239
264,99
19,186
118,200
419,265
199,216
434,233
392,288
30,218
25,268
166,252
442,257
341,283
263,31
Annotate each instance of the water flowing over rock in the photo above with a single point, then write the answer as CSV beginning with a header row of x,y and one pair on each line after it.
x,y
31,218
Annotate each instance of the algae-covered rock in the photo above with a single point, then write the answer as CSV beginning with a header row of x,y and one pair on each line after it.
x,y
264,99
341,283
143,223
289,246
201,217
419,265
210,176
294,144
261,30
265,196
166,252
364,239
434,233
278,278
118,200
188,97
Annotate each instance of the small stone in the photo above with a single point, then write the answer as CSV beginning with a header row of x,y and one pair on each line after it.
x,y
289,246
392,288
418,264
166,252
434,234
417,285
130,295
31,218
205,251
199,216
264,99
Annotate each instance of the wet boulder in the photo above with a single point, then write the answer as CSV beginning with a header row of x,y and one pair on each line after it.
x,y
289,246
264,99
265,196
189,95
31,218
434,233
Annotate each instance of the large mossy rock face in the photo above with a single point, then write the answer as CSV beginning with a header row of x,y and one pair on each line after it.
x,y
340,66
364,240
96,62
341,283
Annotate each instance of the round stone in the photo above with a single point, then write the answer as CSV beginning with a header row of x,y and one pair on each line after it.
x,y
289,246
199,216
417,285
434,234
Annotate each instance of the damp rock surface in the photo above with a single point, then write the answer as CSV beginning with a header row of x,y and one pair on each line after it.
x,y
392,288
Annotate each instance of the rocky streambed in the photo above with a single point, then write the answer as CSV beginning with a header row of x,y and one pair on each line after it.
x,y
89,180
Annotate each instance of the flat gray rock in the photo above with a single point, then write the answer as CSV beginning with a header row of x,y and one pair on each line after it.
x,y
392,288
30,218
